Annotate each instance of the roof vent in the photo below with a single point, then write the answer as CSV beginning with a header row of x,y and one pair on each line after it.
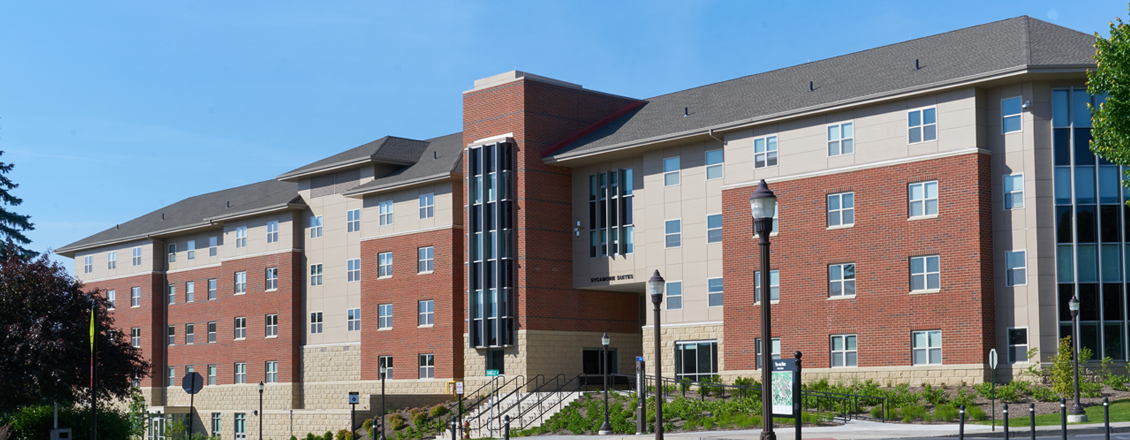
x,y
228,204
435,155
686,111
810,86
916,67
118,226
162,216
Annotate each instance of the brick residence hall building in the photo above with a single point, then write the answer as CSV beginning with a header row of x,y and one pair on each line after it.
x,y
937,199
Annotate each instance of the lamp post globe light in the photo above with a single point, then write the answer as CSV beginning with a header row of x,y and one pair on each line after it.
x,y
1077,413
384,370
260,410
655,287
606,428
762,204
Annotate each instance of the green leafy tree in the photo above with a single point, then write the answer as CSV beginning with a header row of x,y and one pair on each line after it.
x,y
45,337
1111,121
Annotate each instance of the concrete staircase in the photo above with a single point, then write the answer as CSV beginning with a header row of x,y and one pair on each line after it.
x,y
484,423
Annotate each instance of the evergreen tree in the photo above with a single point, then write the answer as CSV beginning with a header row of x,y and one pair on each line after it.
x,y
12,225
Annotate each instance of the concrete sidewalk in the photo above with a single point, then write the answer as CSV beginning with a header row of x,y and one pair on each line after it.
x,y
864,430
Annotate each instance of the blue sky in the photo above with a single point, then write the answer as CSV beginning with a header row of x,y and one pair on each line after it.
x,y
111,110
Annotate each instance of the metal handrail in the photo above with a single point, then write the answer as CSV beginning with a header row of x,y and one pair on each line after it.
x,y
498,390
520,397
561,398
540,399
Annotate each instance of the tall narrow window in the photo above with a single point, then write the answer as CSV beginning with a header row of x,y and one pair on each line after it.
x,y
353,220
841,209
927,347
213,243
112,299
135,297
272,372
765,152
240,328
135,337
215,416
384,264
316,226
273,231
426,312
137,256
1016,271
427,205
211,289
427,366
316,323
923,199
674,295
922,125
384,363
88,264
671,171
714,292
241,236
1014,191
111,260
353,270
384,316
315,274
240,283
189,334
385,212
841,139
212,332
925,273
774,350
189,291
240,377
425,261
240,425
841,279
714,164
172,252
491,266
271,281
1010,115
610,213
714,228
272,321
844,351
172,335
172,293
353,320
774,286
673,230
190,249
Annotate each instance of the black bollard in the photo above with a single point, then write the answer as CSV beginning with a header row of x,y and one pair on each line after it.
x,y
1004,416
1063,417
961,424
1106,418
505,427
1032,418
454,429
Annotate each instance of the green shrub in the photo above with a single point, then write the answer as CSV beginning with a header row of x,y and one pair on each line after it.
x,y
1061,371
437,411
976,413
945,412
877,412
328,436
293,438
419,416
935,396
344,434
963,398
396,422
311,436
911,413
36,422
749,387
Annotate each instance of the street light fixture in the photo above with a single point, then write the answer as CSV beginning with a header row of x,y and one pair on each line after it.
x,y
655,287
606,428
1077,413
260,410
762,204
384,377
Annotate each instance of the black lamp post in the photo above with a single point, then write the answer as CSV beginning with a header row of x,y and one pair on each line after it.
x,y
763,204
1077,412
606,428
260,410
655,287
384,377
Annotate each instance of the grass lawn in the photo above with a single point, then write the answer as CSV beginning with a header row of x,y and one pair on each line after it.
x,y
1119,412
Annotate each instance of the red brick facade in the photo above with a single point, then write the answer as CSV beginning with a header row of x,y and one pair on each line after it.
x,y
883,314
149,316
406,340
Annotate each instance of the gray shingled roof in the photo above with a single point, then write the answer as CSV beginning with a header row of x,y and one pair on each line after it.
x,y
194,212
441,157
948,57
389,149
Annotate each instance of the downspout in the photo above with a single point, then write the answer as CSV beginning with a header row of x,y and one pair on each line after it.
x,y
711,134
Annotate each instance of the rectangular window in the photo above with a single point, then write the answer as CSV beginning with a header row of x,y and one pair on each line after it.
x,y
841,279
1017,345
384,316
923,199
135,297
240,377
172,293
241,237
316,323
316,226
714,292
172,374
923,125
353,220
273,231
1016,271
137,256
111,260
212,381
172,335
240,282
427,366
240,426
384,363
427,312
714,228
353,320
353,270
841,209
271,281
315,274
425,259
189,334
212,332
384,264
240,328
843,351
925,273
213,243
427,205
774,286
674,295
673,233
272,372
765,152
841,139
190,248
189,291
775,352
1010,115
172,252
111,298
135,337
88,264
714,164
385,211
272,321
211,288
927,349
215,421
671,171
1014,191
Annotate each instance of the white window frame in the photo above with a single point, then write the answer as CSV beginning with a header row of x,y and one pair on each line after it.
x,y
667,235
135,337
189,334
427,205
316,274
709,238
384,264
240,426
384,316
171,294
774,353
1011,272
137,256
1015,191
240,237
213,244
353,270
427,366
271,279
240,328
385,210
112,299
172,248
190,249
316,323
240,283
353,320
837,276
425,259
841,215
273,231
172,374
212,327
134,297
928,349
272,325
240,377
272,370
353,220
715,289
111,260
386,361
925,274
922,125
211,370
716,167
924,200
212,288
426,313
844,352
672,167
316,226
88,264
774,286
189,291
1012,359
171,335
841,134
1017,115
674,295
769,151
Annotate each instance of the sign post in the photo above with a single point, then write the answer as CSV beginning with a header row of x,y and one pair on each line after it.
x,y
786,388
354,399
192,383
459,415
493,375
641,397
993,378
